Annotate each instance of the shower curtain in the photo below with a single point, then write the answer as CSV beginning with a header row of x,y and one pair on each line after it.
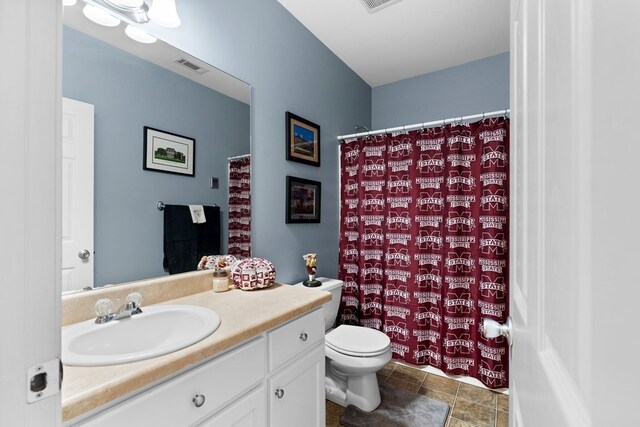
x,y
240,207
423,243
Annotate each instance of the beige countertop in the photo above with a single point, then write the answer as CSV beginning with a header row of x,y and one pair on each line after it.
x,y
244,315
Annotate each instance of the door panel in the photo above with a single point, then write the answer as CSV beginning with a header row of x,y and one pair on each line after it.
x,y
296,393
549,367
249,411
30,243
77,194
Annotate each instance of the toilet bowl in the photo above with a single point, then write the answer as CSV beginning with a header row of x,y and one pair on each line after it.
x,y
354,354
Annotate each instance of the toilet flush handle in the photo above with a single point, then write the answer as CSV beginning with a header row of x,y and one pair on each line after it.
x,y
303,336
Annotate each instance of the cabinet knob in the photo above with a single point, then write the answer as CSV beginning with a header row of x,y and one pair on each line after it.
x,y
198,400
304,336
279,393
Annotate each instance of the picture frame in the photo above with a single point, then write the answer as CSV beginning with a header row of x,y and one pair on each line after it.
x,y
304,198
303,140
168,152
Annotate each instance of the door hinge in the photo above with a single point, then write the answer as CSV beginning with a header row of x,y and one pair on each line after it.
x,y
44,380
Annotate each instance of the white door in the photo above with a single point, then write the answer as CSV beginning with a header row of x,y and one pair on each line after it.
x,y
574,204
30,215
77,195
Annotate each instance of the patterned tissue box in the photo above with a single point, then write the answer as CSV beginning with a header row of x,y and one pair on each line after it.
x,y
253,273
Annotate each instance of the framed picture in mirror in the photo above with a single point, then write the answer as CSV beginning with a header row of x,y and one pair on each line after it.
x,y
169,152
303,140
303,200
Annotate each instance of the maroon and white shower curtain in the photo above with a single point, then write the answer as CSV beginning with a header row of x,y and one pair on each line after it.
x,y
423,243
240,207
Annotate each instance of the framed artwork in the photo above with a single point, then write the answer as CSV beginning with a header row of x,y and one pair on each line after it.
x,y
303,140
303,200
168,152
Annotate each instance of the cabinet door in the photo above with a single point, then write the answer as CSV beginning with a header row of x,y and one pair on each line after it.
x,y
296,394
250,411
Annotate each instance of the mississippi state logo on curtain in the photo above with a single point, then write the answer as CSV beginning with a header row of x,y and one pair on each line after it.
x,y
424,243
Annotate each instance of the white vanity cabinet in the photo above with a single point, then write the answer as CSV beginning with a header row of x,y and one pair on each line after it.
x,y
275,379
296,373
194,395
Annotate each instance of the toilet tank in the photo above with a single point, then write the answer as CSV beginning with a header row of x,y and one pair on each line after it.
x,y
330,308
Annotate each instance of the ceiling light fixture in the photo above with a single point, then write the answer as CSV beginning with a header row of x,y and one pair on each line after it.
x,y
126,3
161,12
139,35
99,16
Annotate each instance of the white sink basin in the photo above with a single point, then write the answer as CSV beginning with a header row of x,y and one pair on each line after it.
x,y
158,330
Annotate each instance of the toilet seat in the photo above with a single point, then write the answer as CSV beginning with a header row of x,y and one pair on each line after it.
x,y
357,341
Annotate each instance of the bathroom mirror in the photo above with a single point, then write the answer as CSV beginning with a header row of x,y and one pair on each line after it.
x,y
131,86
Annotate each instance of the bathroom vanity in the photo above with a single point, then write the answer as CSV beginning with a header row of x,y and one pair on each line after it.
x,y
264,366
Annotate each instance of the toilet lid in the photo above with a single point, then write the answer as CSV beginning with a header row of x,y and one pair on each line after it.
x,y
357,341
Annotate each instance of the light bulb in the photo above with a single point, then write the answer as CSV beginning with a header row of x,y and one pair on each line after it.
x,y
69,2
127,3
139,35
100,17
163,13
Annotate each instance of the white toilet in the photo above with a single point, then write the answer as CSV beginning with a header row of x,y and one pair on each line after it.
x,y
353,355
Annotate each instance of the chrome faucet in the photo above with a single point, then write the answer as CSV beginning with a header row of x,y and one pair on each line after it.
x,y
129,308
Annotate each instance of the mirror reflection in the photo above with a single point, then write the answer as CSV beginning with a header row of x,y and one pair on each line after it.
x,y
114,87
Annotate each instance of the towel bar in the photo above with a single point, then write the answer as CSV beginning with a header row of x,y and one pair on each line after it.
x,y
160,205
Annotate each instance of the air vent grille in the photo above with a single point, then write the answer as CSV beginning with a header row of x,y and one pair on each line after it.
x,y
375,5
190,65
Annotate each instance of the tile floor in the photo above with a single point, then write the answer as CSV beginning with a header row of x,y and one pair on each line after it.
x,y
470,406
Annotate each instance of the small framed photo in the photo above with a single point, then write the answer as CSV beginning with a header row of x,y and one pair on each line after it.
x,y
169,152
303,200
303,140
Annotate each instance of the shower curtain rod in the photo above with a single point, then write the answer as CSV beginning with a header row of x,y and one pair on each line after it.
x,y
239,157
427,124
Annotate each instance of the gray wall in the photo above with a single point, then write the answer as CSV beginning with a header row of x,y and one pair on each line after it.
x,y
290,70
129,93
476,87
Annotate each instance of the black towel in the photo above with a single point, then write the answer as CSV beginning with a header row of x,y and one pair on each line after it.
x,y
208,234
185,242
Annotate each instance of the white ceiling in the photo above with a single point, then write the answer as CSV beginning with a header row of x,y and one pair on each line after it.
x,y
408,38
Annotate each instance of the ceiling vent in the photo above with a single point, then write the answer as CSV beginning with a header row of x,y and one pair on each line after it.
x,y
373,6
190,65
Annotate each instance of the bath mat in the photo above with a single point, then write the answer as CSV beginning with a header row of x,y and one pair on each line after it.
x,y
399,408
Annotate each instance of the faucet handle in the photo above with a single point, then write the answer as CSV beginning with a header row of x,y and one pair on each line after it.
x,y
103,307
134,297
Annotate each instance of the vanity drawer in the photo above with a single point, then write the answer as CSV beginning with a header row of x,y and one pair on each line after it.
x,y
172,403
295,337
